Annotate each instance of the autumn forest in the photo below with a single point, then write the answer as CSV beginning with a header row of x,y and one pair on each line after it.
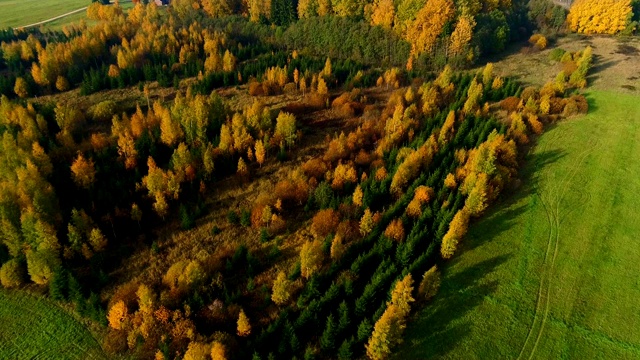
x,y
269,179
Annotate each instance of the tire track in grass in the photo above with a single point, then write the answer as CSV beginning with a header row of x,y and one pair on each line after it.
x,y
546,255
559,197
553,224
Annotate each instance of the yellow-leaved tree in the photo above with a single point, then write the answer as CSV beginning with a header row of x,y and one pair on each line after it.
x,y
244,327
461,36
423,32
599,16
457,229
281,291
383,13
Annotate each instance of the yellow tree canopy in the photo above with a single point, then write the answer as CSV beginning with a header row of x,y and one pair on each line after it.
x,y
599,16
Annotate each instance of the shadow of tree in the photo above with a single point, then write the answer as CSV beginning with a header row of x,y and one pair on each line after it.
x,y
501,215
430,333
435,331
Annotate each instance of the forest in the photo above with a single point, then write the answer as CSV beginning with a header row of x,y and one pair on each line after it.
x,y
268,188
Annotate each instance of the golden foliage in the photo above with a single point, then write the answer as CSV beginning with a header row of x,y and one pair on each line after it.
x,y
311,257
450,181
457,229
83,171
218,351
337,247
412,164
380,174
447,131
473,96
244,327
599,16
387,331
117,316
343,173
12,274
325,222
21,88
401,295
197,351
281,290
357,196
383,13
395,230
62,84
386,334
462,34
286,128
366,222
423,32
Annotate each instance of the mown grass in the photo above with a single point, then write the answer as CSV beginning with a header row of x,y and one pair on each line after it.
x,y
14,13
33,327
551,272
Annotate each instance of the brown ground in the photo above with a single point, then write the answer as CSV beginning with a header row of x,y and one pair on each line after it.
x,y
616,62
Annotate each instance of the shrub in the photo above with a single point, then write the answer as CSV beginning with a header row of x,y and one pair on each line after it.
x,y
12,274
430,283
245,218
233,218
325,222
556,54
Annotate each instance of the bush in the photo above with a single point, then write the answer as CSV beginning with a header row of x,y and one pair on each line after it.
x,y
103,111
556,54
233,218
245,218
12,274
325,222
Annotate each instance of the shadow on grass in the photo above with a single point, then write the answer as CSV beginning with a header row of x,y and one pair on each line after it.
x,y
436,330
501,216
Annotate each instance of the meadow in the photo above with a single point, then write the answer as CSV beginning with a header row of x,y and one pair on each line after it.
x,y
550,272
35,327
23,12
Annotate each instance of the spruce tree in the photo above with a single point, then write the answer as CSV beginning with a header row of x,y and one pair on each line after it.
x,y
58,285
327,341
344,352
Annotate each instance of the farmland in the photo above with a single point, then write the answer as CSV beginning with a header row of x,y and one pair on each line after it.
x,y
547,272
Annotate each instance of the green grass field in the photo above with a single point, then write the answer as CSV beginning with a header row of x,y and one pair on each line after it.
x,y
551,272
34,328
23,12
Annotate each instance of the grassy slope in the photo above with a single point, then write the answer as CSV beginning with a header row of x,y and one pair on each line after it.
x,y
24,12
551,272
33,327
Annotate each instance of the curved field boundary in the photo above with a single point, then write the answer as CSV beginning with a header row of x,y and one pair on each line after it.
x,y
36,328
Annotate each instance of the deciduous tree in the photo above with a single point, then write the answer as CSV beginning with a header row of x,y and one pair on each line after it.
x,y
281,291
244,327
83,171
430,283
311,257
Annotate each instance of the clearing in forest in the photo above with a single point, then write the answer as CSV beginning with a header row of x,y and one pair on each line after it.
x,y
36,328
551,272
